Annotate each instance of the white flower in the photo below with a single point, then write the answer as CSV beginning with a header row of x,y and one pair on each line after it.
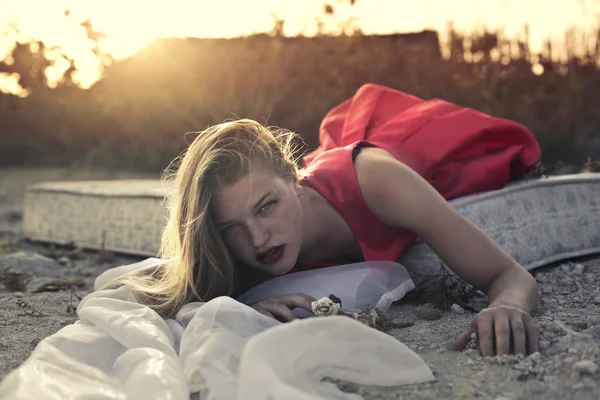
x,y
325,306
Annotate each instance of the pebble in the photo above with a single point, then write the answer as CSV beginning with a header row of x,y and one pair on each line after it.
x,y
538,388
597,300
566,281
543,344
579,268
18,294
471,353
547,289
585,367
535,357
66,261
584,385
428,313
507,396
457,309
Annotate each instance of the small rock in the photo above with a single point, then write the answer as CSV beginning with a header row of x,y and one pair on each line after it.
x,y
18,294
433,346
579,268
428,313
551,379
535,357
507,396
420,348
457,309
66,261
469,361
586,383
474,336
538,388
104,257
541,278
543,344
471,353
585,367
597,300
31,264
547,289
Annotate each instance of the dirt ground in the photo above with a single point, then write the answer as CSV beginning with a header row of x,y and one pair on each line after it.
x,y
567,317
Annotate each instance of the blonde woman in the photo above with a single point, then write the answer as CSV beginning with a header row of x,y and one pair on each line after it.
x,y
387,164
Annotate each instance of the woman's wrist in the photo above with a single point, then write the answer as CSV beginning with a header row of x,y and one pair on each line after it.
x,y
514,288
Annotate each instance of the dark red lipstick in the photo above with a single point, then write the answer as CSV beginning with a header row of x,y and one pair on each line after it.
x,y
271,256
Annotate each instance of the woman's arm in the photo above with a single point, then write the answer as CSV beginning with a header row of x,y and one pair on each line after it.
x,y
400,197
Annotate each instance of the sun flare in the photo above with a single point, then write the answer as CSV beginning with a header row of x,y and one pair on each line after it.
x,y
129,25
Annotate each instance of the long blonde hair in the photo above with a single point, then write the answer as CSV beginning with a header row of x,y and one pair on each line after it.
x,y
200,267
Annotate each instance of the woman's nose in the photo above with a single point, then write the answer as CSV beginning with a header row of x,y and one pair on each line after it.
x,y
258,235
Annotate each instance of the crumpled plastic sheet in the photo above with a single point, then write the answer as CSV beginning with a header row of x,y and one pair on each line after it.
x,y
222,350
364,285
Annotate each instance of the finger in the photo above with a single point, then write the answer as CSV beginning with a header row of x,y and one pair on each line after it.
x,y
265,312
485,333
279,310
502,332
295,300
532,335
462,339
519,335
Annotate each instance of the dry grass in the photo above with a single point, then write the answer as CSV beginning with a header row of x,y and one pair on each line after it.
x,y
137,117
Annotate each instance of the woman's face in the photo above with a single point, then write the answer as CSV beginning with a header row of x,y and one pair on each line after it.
x,y
260,220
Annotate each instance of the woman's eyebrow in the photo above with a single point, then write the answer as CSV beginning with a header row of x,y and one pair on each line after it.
x,y
258,203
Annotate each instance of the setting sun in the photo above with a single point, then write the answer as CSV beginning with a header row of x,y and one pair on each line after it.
x,y
130,25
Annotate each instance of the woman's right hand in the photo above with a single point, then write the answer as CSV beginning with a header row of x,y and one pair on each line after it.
x,y
280,307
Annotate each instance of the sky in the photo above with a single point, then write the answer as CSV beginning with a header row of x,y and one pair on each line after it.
x,y
132,24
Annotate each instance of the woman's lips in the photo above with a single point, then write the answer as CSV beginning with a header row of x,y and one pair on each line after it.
x,y
270,256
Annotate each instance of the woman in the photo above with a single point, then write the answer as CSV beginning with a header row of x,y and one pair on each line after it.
x,y
387,164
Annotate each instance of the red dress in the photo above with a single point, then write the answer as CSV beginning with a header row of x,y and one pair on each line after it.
x,y
458,150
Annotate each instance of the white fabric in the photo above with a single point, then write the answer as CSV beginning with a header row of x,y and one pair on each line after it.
x,y
364,285
223,349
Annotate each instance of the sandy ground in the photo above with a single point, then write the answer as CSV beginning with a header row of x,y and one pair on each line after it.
x,y
567,317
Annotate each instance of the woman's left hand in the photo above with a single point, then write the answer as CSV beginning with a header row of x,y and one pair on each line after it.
x,y
501,329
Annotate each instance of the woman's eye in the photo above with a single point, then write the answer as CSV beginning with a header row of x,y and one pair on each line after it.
x,y
267,206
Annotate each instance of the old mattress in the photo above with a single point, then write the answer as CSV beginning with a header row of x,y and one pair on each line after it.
x,y
538,221
119,215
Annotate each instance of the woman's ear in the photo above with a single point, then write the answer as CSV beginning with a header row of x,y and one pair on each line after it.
x,y
299,189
